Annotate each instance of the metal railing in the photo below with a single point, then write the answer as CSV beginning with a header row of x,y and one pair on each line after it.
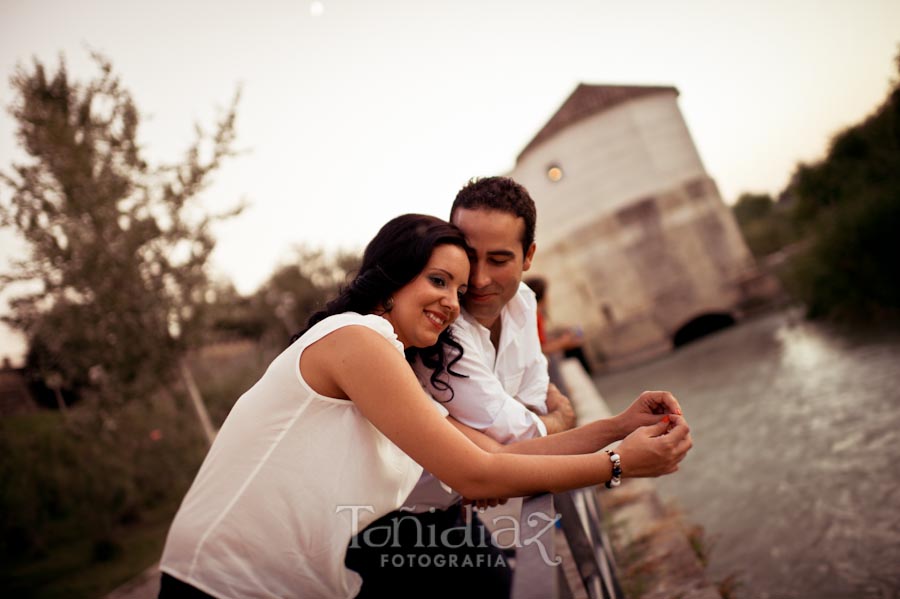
x,y
539,572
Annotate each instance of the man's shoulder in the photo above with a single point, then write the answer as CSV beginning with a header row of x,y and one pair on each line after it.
x,y
465,325
521,310
526,296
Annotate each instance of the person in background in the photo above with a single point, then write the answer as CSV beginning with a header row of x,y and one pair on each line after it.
x,y
566,342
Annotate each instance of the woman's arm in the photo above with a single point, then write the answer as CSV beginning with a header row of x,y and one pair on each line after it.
x,y
374,375
587,438
648,409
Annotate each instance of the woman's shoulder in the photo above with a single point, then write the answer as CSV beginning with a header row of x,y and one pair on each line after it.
x,y
352,319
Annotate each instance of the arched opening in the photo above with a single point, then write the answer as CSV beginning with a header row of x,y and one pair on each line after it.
x,y
701,326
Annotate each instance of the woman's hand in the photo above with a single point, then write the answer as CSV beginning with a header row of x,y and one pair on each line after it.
x,y
657,449
646,410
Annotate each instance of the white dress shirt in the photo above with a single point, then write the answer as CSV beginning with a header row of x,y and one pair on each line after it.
x,y
502,385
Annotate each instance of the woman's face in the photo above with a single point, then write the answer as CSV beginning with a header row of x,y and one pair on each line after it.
x,y
427,305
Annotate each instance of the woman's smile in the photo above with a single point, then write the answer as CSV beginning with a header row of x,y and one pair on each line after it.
x,y
439,321
435,294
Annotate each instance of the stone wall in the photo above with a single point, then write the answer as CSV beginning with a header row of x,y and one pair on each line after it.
x,y
634,277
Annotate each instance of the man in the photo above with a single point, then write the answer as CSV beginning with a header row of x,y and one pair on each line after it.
x,y
504,391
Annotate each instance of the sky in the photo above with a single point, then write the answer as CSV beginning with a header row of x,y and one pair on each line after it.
x,y
355,111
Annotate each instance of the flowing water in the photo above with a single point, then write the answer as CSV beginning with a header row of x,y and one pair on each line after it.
x,y
795,471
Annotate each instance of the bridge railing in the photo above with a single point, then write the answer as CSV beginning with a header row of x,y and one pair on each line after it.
x,y
580,517
539,572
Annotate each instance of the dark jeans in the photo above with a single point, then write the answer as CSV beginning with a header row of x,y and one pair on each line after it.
x,y
432,554
172,588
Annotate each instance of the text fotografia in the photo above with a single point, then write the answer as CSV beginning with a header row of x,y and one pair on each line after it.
x,y
412,560
506,533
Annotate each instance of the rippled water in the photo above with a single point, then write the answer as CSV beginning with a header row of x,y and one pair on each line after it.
x,y
795,471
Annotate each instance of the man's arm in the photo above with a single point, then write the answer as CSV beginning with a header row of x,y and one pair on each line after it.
x,y
479,399
536,391
560,414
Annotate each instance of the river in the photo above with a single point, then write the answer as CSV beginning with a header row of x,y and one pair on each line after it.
x,y
795,470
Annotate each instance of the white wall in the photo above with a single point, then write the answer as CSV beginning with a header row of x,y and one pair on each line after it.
x,y
609,160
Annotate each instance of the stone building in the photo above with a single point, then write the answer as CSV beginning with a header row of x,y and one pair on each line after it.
x,y
633,237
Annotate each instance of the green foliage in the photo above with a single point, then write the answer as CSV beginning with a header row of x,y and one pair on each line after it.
x,y
69,571
59,482
233,316
282,304
849,206
851,271
762,223
753,206
82,510
118,248
297,289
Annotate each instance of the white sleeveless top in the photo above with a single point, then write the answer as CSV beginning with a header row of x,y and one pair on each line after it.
x,y
272,508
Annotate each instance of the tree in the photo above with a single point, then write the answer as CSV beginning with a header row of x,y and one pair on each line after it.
x,y
300,287
753,206
118,249
762,223
849,207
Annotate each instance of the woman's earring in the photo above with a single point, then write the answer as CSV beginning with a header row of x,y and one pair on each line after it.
x,y
389,304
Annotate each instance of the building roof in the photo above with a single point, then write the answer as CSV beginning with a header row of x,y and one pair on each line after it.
x,y
588,100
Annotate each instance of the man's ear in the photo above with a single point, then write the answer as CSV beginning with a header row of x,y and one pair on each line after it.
x,y
529,256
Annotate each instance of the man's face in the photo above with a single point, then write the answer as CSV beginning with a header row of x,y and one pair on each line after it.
x,y
499,263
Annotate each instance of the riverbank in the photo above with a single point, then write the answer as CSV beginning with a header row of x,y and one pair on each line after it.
x,y
658,555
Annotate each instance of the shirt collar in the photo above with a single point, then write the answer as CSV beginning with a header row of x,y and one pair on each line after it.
x,y
513,316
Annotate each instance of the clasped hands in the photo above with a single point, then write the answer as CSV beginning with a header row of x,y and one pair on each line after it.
x,y
657,436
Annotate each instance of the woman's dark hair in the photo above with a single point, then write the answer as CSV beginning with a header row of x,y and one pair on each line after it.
x,y
394,257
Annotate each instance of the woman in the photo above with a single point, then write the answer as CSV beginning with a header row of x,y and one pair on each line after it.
x,y
336,432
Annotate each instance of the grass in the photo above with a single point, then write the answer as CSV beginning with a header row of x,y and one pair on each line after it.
x,y
696,536
72,571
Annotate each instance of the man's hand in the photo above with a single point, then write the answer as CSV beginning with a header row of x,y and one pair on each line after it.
x,y
646,410
560,414
483,504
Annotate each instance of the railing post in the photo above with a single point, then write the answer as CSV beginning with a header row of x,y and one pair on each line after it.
x,y
581,525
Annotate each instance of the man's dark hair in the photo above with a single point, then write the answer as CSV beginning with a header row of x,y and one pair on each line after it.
x,y
503,194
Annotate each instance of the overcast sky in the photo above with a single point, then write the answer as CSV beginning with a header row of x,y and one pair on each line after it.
x,y
356,111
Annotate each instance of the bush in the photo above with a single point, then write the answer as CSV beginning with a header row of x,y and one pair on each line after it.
x,y
763,223
85,499
60,481
848,206
851,270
